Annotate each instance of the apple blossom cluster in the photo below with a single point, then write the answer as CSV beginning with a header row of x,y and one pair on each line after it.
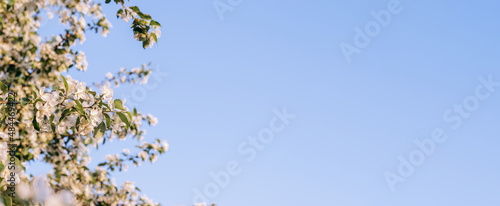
x,y
134,76
141,25
59,119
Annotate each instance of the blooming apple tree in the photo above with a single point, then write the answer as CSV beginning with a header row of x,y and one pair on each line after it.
x,y
48,116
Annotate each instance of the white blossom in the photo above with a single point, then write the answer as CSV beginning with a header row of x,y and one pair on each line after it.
x,y
143,155
107,92
109,75
152,120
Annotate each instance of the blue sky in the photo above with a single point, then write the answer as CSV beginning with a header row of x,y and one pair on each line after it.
x,y
352,120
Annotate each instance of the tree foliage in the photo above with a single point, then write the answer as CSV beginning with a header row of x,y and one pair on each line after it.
x,y
57,119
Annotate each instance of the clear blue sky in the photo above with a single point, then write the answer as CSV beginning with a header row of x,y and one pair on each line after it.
x,y
353,120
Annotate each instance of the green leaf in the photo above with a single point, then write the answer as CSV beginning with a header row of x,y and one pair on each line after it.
x,y
118,104
129,115
120,11
123,118
108,120
144,16
154,37
51,119
35,124
2,166
77,123
145,43
65,83
79,107
102,104
65,113
25,101
99,130
51,122
53,126
3,87
135,9
107,1
154,23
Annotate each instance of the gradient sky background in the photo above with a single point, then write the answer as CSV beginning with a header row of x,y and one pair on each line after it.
x,y
353,120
